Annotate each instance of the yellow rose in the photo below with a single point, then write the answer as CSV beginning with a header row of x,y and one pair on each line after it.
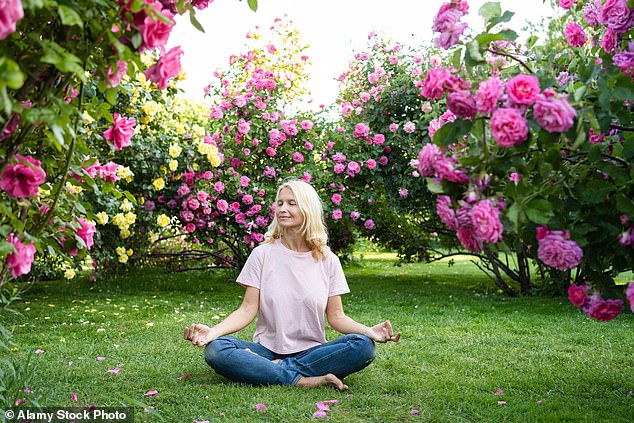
x,y
124,233
173,165
123,258
130,218
102,218
159,184
87,118
129,252
150,108
175,150
69,273
119,220
163,221
126,205
120,251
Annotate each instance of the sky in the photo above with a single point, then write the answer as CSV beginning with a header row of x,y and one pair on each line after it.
x,y
333,29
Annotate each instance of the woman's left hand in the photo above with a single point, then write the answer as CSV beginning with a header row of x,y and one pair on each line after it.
x,y
383,333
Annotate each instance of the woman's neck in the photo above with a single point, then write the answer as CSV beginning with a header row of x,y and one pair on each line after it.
x,y
295,242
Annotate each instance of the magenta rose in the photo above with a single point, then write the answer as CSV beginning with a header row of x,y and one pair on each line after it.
x,y
629,293
167,67
445,212
557,251
121,131
22,178
566,4
575,34
86,232
361,130
114,77
427,158
604,310
523,89
468,239
615,14
10,13
19,261
578,295
486,222
554,114
488,94
462,104
509,127
609,41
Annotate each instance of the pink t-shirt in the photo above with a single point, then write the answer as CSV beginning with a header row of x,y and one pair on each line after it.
x,y
294,290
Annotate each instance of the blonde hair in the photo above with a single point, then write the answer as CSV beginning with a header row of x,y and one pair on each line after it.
x,y
313,228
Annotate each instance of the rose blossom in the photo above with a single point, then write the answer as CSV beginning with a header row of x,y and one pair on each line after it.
x,y
22,178
523,89
167,67
575,34
486,222
566,4
462,104
591,12
578,295
556,250
488,94
603,310
120,132
552,113
19,261
369,224
409,127
10,12
615,14
609,41
86,232
154,31
361,130
115,77
445,212
337,214
508,127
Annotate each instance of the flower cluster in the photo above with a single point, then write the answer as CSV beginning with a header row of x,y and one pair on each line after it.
x,y
594,306
557,250
447,23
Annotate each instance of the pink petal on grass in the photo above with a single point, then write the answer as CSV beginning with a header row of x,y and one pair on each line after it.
x,y
321,405
501,402
73,397
150,393
319,414
629,393
260,406
100,358
200,421
115,370
414,411
39,351
186,375
499,392
70,363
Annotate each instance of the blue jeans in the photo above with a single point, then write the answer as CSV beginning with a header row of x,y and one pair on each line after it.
x,y
250,362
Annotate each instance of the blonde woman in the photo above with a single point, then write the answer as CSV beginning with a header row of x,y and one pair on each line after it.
x,y
292,280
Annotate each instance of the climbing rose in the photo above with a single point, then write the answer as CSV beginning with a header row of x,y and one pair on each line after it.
x,y
554,114
167,67
575,34
603,310
22,178
509,127
488,94
10,12
486,222
578,295
523,89
461,103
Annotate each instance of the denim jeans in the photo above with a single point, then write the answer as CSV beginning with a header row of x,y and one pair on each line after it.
x,y
250,362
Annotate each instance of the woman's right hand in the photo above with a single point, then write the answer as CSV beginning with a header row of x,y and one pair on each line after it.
x,y
199,334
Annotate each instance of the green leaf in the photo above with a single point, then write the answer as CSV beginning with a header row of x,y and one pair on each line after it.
x,y
453,131
530,42
515,215
473,51
10,74
539,211
434,187
130,197
194,21
504,18
624,204
490,11
594,192
63,60
508,35
253,4
69,16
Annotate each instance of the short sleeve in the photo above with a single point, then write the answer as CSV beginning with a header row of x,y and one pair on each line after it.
x,y
251,273
338,282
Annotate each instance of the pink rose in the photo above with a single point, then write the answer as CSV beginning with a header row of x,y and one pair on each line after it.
x,y
298,157
523,89
488,94
508,127
10,12
591,12
604,310
566,4
337,214
86,232
22,178
578,295
167,67
609,41
409,127
369,224
19,261
486,222
445,212
575,34
462,104
361,130
222,206
554,114
556,250
468,238
120,132
154,31
371,164
114,77
615,14
336,198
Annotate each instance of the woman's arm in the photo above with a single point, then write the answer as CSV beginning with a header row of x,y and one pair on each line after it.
x,y
338,320
200,334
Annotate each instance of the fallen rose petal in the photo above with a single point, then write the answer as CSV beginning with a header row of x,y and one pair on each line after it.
x,y
115,370
150,393
39,351
186,375
319,414
413,412
322,406
100,358
499,392
200,421
260,406
629,393
70,363
73,397
501,402
539,401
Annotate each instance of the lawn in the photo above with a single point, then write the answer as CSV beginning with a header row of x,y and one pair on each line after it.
x,y
467,354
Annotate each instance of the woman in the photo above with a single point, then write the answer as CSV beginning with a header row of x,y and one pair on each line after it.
x,y
291,280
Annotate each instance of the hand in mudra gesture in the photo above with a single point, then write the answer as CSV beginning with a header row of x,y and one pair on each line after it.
x,y
383,332
199,334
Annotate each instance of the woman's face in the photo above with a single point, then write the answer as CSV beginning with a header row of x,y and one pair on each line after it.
x,y
289,216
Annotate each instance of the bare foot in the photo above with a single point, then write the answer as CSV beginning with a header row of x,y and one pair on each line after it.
x,y
315,381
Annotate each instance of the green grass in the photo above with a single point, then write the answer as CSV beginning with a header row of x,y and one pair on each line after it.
x,y
462,341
